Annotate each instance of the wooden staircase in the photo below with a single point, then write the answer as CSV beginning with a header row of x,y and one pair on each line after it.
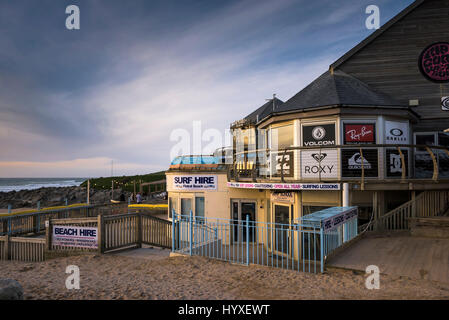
x,y
426,205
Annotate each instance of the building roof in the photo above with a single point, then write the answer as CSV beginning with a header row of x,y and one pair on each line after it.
x,y
376,34
337,89
265,110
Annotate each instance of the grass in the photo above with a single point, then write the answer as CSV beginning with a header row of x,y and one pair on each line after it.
x,y
125,182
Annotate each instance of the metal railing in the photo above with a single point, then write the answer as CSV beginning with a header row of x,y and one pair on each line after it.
x,y
293,246
359,163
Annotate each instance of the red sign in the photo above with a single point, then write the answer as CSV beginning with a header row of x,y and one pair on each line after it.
x,y
434,62
360,133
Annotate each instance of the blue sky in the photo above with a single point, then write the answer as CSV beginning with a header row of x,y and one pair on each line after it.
x,y
73,100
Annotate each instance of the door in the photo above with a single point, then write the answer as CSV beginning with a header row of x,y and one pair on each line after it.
x,y
240,210
248,209
281,234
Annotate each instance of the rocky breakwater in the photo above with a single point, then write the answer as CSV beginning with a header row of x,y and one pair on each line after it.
x,y
56,196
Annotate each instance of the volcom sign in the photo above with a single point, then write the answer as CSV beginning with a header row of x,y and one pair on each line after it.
x,y
396,132
317,164
318,135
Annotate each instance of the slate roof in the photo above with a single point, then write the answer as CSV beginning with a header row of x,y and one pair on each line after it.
x,y
264,110
337,89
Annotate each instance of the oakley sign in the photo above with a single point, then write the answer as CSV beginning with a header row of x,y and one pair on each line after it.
x,y
396,132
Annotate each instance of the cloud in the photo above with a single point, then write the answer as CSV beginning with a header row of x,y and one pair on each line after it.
x,y
117,88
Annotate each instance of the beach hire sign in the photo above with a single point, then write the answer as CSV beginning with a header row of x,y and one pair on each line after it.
x,y
77,237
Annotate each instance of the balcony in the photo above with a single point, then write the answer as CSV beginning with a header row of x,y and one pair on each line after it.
x,y
361,164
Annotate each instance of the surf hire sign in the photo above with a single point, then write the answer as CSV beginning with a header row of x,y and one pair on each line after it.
x,y
319,163
195,182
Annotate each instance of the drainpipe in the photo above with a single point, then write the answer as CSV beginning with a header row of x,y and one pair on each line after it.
x,y
345,194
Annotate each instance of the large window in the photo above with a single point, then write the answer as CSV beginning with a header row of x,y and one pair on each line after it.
x,y
281,137
199,207
186,206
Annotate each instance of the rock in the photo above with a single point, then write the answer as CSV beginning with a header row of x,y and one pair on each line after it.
x,y
10,290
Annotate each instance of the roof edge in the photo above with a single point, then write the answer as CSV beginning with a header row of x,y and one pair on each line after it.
x,y
376,34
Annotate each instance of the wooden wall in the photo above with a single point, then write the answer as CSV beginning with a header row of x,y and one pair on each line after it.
x,y
390,62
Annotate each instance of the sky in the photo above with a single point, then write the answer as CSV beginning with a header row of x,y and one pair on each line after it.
x,y
140,72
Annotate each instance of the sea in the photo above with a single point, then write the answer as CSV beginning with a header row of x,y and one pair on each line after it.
x,y
17,184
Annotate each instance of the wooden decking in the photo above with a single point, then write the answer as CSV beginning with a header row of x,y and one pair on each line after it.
x,y
401,255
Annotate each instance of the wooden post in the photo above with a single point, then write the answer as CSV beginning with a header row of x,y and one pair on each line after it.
x,y
134,194
139,230
48,232
100,231
6,248
88,191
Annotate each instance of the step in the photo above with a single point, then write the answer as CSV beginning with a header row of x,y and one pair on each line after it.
x,y
430,227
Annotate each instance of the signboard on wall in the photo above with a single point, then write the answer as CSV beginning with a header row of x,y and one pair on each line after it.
x,y
287,197
394,162
396,132
359,133
288,163
286,186
445,103
352,162
77,237
434,62
316,164
318,135
195,182
338,220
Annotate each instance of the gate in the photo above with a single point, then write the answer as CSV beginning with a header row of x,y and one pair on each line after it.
x,y
302,245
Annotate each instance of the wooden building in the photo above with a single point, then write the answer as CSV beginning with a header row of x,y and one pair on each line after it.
x,y
368,132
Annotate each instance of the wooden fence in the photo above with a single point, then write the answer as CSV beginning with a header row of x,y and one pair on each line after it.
x,y
22,249
155,231
426,204
22,224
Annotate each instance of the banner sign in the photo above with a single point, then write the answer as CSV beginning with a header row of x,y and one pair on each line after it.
x,y
288,197
288,164
316,164
445,103
197,182
286,186
318,135
434,62
352,162
396,132
339,219
394,163
78,237
359,133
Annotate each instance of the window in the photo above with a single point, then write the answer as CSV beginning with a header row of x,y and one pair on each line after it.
x,y
281,137
186,206
199,207
172,205
311,209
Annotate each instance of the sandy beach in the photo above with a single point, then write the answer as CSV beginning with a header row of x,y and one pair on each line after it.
x,y
156,276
